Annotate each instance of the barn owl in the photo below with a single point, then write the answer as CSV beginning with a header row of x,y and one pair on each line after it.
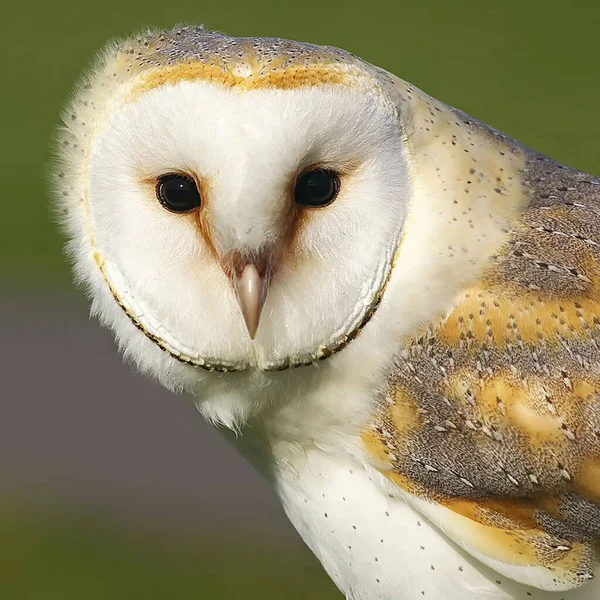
x,y
391,308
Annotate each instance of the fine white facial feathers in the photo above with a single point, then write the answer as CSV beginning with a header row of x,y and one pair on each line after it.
x,y
245,145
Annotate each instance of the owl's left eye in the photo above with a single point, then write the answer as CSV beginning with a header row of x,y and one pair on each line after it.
x,y
178,192
317,188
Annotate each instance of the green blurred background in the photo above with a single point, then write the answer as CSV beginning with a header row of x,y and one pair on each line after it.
x,y
109,487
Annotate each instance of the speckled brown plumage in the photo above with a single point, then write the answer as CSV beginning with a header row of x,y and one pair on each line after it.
x,y
494,409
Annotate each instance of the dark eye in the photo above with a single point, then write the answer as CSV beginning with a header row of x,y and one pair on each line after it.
x,y
317,188
178,193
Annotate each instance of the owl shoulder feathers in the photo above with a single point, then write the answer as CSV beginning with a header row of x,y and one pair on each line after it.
x,y
490,422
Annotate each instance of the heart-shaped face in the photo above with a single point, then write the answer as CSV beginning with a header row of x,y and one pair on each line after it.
x,y
243,214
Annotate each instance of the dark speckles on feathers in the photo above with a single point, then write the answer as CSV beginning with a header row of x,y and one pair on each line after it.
x,y
196,44
515,367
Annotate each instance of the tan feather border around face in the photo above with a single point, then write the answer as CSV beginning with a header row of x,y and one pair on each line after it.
x,y
257,77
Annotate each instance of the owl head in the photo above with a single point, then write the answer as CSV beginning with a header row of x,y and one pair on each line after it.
x,y
233,205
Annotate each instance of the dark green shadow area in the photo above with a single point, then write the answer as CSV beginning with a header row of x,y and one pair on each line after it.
x,y
56,556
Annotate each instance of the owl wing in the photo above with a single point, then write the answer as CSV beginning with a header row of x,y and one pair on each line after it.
x,y
490,423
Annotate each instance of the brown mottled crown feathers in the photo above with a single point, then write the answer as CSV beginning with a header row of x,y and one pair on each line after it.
x,y
493,411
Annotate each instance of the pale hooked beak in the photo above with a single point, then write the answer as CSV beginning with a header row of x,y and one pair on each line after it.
x,y
251,291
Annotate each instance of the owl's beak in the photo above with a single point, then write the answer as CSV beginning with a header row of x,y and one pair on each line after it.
x,y
251,291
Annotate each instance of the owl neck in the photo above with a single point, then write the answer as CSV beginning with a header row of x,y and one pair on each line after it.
x,y
321,410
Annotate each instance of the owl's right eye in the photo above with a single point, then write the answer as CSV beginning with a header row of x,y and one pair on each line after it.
x,y
178,193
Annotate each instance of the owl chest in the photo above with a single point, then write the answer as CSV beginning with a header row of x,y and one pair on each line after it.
x,y
377,547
